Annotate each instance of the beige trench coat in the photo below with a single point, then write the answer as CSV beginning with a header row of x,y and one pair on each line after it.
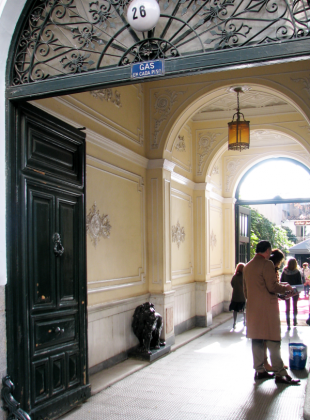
x,y
260,287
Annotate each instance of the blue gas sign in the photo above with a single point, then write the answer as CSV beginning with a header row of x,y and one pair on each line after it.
x,y
147,69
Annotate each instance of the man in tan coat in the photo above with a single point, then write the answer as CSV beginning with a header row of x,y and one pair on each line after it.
x,y
263,318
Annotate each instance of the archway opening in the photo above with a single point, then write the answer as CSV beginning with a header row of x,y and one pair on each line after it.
x,y
273,203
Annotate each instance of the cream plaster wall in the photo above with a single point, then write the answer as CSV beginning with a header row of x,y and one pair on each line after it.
x,y
184,304
183,152
182,220
116,114
116,265
216,238
109,331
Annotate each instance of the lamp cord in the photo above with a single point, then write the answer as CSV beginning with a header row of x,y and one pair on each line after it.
x,y
238,107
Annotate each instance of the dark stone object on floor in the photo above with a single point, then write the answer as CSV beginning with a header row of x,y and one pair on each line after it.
x,y
147,325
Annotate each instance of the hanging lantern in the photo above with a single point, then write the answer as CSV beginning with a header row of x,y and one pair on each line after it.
x,y
238,131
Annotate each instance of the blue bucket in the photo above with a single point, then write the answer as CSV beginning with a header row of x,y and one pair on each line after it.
x,y
298,356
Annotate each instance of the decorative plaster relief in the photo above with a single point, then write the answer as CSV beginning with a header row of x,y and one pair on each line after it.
x,y
215,170
185,161
213,240
180,144
97,225
108,95
206,143
249,99
76,103
305,127
178,234
259,134
123,278
305,81
163,105
231,168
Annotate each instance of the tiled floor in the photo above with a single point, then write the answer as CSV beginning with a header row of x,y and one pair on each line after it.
x,y
210,378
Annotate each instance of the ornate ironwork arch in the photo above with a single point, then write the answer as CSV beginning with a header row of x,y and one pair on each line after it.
x,y
61,37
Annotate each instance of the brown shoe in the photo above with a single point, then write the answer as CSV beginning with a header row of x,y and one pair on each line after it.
x,y
263,375
287,380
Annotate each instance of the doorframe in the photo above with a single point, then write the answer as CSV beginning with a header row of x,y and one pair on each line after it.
x,y
275,200
17,313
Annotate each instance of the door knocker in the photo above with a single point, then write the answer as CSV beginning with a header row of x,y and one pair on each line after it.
x,y
58,248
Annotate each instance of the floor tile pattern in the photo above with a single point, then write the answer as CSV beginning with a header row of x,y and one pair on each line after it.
x,y
211,378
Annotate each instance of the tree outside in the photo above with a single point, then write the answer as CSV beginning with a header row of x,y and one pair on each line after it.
x,y
263,229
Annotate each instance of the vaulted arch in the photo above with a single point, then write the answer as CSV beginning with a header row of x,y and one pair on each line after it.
x,y
198,101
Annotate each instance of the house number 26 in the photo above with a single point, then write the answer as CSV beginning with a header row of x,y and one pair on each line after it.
x,y
143,15
142,12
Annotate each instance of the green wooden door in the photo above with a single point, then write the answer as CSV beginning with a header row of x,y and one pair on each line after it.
x,y
50,367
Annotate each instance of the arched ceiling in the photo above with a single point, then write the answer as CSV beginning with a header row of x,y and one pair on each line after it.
x,y
252,103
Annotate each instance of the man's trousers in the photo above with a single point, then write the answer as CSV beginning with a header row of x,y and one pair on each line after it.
x,y
274,348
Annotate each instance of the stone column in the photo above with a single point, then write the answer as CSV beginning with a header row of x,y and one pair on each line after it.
x,y
202,255
159,242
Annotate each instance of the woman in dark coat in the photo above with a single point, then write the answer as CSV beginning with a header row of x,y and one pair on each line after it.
x,y
292,276
237,303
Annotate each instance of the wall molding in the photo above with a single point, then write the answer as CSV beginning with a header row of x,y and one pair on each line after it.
x,y
164,105
199,222
183,180
218,238
115,148
113,306
186,167
155,232
139,278
189,235
105,122
227,226
161,164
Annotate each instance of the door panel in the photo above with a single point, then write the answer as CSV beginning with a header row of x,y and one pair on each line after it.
x,y
49,366
58,373
49,332
73,368
68,263
40,380
41,225
53,152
